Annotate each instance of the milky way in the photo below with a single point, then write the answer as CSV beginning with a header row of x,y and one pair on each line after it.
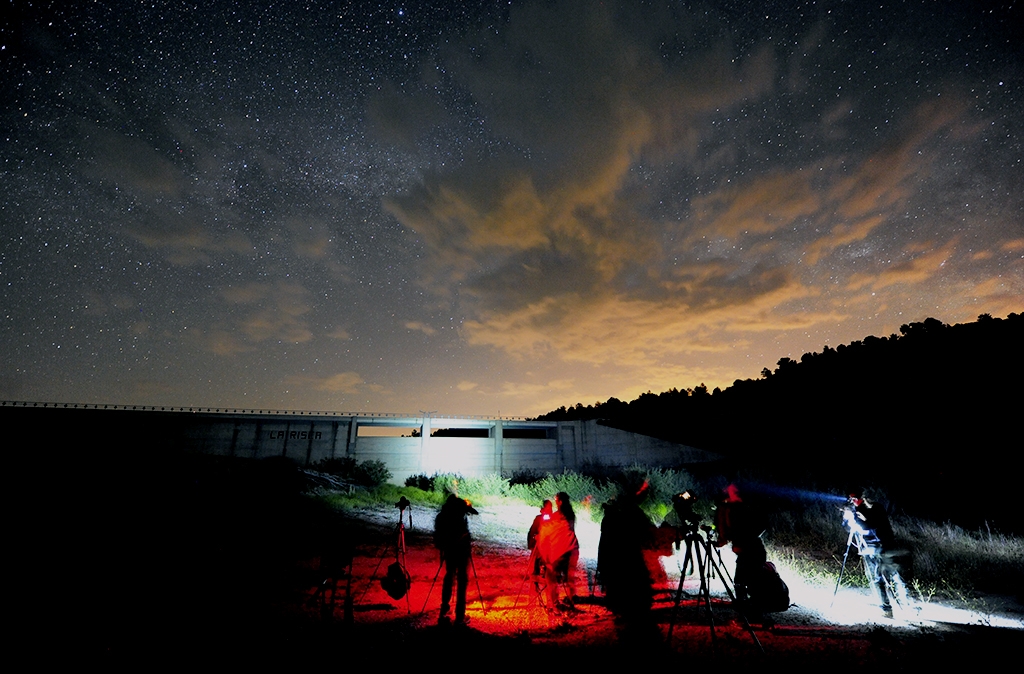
x,y
494,209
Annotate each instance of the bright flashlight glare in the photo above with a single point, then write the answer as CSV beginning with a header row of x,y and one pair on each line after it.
x,y
792,494
859,606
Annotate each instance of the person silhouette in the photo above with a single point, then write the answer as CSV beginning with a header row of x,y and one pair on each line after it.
x,y
451,537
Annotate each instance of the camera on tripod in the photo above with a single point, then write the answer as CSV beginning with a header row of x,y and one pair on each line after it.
x,y
683,517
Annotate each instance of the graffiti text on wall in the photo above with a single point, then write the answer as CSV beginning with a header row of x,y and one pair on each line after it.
x,y
295,435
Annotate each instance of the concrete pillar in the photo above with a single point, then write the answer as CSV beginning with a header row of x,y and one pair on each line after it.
x,y
424,442
309,445
498,431
334,439
234,437
353,433
258,440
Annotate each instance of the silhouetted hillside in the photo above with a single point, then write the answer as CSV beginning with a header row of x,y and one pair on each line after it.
x,y
930,414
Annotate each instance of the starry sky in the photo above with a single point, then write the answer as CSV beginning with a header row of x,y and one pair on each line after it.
x,y
487,207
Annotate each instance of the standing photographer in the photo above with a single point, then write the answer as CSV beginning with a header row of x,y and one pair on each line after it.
x,y
451,537
738,523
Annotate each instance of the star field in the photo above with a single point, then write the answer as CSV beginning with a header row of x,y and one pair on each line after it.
x,y
500,207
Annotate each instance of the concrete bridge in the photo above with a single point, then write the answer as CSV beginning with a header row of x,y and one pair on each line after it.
x,y
407,444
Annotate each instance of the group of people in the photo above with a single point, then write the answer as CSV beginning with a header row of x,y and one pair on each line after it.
x,y
552,540
627,532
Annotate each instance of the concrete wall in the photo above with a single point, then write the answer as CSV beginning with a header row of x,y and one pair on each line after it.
x,y
584,442
509,445
567,445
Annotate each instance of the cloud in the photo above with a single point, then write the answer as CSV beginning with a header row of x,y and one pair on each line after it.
x,y
633,207
764,205
614,329
98,304
914,270
845,205
340,383
888,178
544,231
258,312
466,385
343,382
185,241
339,332
156,198
531,390
310,236
224,342
998,296
581,100
421,327
149,389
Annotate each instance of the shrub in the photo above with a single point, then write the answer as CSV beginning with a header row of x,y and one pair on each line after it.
x,y
420,481
492,485
578,487
343,467
373,473
366,474
447,483
525,476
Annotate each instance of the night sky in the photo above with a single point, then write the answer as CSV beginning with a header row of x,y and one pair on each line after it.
x,y
496,208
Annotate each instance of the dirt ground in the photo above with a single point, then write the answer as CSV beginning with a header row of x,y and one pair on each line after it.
x,y
508,619
223,567
194,561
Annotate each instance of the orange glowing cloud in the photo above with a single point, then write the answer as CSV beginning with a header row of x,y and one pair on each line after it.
x,y
914,270
613,329
764,205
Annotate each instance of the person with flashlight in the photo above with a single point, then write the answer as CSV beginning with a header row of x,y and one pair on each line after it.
x,y
872,534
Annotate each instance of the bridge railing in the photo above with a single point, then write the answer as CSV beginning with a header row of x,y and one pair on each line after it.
x,y
246,411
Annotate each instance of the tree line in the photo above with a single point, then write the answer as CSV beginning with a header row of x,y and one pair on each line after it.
x,y
931,414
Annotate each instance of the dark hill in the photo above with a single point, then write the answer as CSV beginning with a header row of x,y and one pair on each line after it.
x,y
932,415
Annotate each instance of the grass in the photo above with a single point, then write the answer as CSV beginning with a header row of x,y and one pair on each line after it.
x,y
958,562
941,560
818,571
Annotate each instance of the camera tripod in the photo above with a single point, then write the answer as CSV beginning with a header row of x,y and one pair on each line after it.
x,y
702,554
335,565
538,578
397,581
476,578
